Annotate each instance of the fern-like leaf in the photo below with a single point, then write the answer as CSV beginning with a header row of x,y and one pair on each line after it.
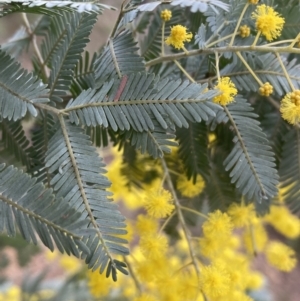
x,y
193,145
119,58
50,7
28,206
19,90
155,142
41,135
16,142
133,101
201,5
69,52
251,160
84,76
78,177
289,170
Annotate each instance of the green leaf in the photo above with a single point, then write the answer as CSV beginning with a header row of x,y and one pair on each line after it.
x,y
289,169
193,146
51,7
201,5
45,128
16,142
32,209
78,178
69,52
84,76
251,161
19,90
134,100
118,58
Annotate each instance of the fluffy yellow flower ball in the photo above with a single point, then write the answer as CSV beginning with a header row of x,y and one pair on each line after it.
x,y
158,203
166,15
187,187
178,36
228,91
281,256
268,22
290,107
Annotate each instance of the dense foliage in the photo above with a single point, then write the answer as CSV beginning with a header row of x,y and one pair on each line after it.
x,y
203,106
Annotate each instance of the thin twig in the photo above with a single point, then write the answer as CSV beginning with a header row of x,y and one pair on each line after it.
x,y
132,274
262,48
35,46
180,217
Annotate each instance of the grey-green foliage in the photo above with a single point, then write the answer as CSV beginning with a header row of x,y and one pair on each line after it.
x,y
30,208
123,96
50,7
23,89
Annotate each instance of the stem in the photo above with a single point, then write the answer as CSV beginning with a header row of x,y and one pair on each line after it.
x,y
49,108
279,42
216,32
36,49
180,55
238,23
256,39
118,20
220,40
273,102
295,41
285,72
133,276
184,71
181,218
251,230
249,68
163,38
185,50
193,211
166,222
217,65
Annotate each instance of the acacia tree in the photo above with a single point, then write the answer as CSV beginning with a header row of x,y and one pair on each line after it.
x,y
205,75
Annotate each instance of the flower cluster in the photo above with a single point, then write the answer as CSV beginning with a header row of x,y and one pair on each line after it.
x,y
178,36
290,107
166,15
188,188
266,89
245,31
228,91
268,22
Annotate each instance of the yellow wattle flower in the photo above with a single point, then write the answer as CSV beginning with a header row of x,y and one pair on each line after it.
x,y
214,281
218,225
266,89
228,91
281,256
158,203
146,225
268,22
241,215
166,15
284,221
187,187
290,107
178,36
153,246
244,31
